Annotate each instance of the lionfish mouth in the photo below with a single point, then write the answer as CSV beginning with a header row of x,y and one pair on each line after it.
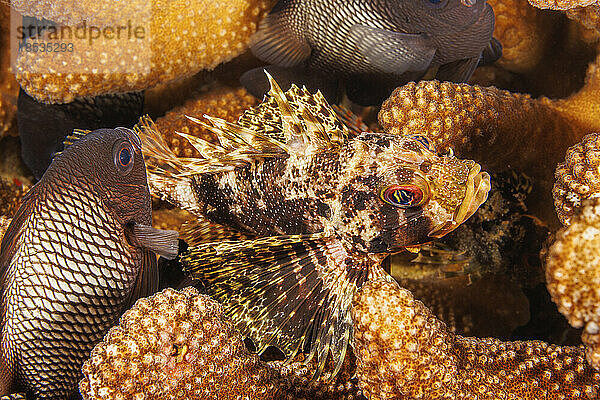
x,y
478,187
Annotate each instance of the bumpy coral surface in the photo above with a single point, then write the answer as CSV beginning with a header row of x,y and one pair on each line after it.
x,y
175,345
173,47
403,351
573,274
9,88
522,30
296,383
11,194
218,101
561,4
589,16
578,177
481,121
179,345
66,12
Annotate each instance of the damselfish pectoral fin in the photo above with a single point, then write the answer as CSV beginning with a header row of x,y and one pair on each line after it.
x,y
491,53
292,292
162,242
457,71
276,44
392,52
147,280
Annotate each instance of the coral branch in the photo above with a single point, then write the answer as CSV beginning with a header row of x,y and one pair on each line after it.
x,y
403,351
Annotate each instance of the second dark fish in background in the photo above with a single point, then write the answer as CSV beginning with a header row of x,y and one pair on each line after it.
x,y
374,46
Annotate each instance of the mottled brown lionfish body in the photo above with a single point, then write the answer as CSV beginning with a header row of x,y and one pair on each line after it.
x,y
326,204
77,253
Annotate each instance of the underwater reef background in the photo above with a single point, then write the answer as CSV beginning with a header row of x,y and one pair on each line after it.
x,y
505,305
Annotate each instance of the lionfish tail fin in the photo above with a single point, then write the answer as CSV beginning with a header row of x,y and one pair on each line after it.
x,y
292,292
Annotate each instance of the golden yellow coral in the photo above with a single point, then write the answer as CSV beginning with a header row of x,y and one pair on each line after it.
x,y
578,177
523,32
4,223
589,16
296,380
561,4
175,345
218,101
584,106
69,12
11,194
182,38
179,345
496,127
573,273
9,89
403,351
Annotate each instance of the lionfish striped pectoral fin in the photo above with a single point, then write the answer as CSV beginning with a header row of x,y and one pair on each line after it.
x,y
201,230
291,292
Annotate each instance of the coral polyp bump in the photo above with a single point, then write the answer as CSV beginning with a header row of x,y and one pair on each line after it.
x,y
573,273
578,177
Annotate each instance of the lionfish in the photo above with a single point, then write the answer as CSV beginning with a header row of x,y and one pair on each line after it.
x,y
323,205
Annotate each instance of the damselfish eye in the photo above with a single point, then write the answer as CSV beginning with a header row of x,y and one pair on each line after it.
x,y
436,3
402,195
123,157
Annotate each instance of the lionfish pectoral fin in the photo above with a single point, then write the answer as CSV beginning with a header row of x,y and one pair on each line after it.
x,y
291,292
202,230
162,242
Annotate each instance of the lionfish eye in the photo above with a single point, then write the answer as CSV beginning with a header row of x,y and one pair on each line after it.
x,y
123,157
402,195
423,140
